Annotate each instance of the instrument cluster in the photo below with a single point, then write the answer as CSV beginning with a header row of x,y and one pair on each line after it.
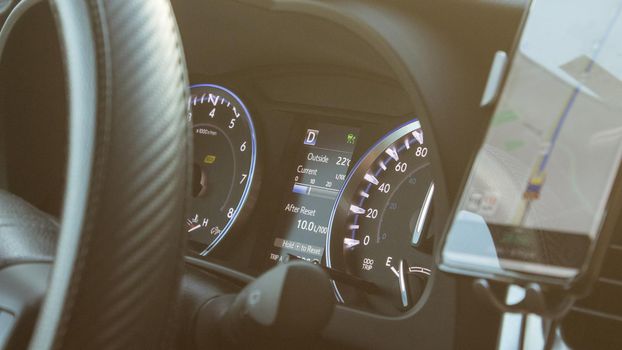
x,y
352,196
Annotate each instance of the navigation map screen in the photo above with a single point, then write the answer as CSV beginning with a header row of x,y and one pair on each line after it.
x,y
538,189
318,174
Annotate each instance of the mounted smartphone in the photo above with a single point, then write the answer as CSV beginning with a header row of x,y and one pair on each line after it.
x,y
543,192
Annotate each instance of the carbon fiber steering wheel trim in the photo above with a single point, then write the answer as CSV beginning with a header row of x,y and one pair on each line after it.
x,y
119,256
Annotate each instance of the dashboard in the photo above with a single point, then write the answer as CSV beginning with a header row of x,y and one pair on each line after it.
x,y
348,194
318,136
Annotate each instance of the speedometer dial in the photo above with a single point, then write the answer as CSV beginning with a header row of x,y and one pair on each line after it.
x,y
380,219
225,153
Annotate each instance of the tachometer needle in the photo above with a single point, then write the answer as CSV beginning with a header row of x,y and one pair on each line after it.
x,y
403,286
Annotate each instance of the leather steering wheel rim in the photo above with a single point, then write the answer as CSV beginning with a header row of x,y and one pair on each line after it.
x,y
119,255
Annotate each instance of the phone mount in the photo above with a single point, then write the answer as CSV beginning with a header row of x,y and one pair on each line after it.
x,y
548,304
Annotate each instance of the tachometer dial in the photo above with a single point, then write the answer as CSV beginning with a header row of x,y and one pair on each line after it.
x,y
225,153
380,219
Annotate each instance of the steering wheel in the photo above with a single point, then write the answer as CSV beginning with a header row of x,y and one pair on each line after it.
x,y
111,277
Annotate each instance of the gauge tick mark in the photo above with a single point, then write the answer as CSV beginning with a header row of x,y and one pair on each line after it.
x,y
350,242
418,134
356,209
371,178
392,153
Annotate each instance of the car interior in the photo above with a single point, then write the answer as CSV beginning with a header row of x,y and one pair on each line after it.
x,y
310,174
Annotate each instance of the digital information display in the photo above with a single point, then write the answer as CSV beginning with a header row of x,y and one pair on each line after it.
x,y
319,173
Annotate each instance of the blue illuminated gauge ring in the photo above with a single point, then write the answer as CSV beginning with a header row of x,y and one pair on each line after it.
x,y
224,164
379,218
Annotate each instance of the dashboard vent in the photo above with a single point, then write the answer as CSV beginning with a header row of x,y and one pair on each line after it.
x,y
595,322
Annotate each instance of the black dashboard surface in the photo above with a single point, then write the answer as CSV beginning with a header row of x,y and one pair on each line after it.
x,y
343,66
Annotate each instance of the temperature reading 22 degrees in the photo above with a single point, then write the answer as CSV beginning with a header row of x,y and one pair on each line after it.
x,y
225,153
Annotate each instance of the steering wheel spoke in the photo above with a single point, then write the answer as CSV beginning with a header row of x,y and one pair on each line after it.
x,y
27,244
22,288
117,263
